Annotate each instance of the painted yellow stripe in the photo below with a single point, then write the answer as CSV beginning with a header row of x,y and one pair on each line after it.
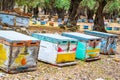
x,y
94,50
65,57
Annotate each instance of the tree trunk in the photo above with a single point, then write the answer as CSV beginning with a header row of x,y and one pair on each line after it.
x,y
8,5
60,13
0,5
107,15
46,11
52,9
115,14
72,19
35,12
82,11
11,4
24,9
90,14
30,9
99,21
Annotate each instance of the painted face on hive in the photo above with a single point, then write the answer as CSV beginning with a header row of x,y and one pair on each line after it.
x,y
93,43
62,47
111,40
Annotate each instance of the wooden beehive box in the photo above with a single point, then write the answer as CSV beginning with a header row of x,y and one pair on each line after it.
x,y
88,47
56,49
8,19
108,42
22,21
18,52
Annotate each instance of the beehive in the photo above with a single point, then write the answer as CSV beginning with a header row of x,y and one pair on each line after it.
x,y
108,42
56,49
12,19
8,19
22,21
88,47
18,52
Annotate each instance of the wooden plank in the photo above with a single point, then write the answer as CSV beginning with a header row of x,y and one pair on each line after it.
x,y
92,59
60,64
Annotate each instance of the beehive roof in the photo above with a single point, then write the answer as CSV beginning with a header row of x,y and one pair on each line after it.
x,y
80,36
15,36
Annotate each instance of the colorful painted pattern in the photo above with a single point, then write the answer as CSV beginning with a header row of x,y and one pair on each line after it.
x,y
93,48
3,54
23,56
108,46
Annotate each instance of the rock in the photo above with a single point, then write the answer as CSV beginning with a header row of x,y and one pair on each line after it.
x,y
16,79
2,74
116,59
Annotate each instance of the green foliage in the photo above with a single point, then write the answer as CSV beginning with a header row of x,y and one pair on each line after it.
x,y
114,5
21,2
62,4
28,2
45,3
88,3
111,6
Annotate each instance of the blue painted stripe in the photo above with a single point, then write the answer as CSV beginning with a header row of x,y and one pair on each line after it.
x,y
54,38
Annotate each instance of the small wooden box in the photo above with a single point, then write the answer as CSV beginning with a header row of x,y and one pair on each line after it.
x,y
88,47
18,52
56,49
108,42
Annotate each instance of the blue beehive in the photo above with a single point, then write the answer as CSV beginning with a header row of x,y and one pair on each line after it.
x,y
22,21
116,28
79,20
1,26
8,19
91,20
108,28
88,47
108,42
12,19
85,27
43,22
59,21
84,20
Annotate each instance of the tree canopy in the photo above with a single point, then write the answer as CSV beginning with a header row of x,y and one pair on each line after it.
x,y
71,7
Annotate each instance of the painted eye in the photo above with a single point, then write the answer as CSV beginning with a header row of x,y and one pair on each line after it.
x,y
111,37
97,40
74,49
60,49
91,40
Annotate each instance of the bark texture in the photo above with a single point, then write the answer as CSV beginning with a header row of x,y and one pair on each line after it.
x,y
99,21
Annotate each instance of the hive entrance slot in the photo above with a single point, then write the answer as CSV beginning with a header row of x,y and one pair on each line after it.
x,y
32,43
18,44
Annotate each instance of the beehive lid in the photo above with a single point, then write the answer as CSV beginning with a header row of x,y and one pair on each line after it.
x,y
100,34
8,13
54,38
80,36
11,36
